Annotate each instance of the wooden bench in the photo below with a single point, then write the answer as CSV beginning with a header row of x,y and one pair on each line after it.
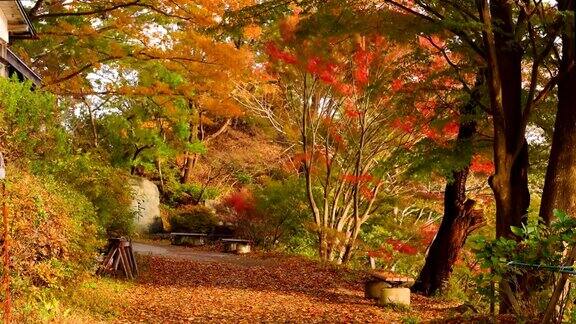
x,y
239,246
388,288
194,239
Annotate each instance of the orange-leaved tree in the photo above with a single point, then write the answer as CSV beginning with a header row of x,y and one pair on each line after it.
x,y
105,56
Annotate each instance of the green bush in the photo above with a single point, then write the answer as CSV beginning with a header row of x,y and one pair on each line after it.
x,y
507,261
176,193
105,186
33,123
273,215
157,226
193,219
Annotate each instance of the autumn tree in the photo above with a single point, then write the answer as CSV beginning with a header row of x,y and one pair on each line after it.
x,y
460,218
95,52
325,95
500,45
559,190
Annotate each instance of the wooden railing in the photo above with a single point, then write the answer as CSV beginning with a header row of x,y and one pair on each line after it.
x,y
21,68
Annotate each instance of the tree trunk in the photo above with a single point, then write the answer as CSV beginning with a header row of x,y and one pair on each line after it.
x,y
160,174
189,164
93,125
510,183
559,189
459,219
350,245
510,180
323,252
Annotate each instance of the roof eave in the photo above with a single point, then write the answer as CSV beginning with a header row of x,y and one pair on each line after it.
x,y
31,32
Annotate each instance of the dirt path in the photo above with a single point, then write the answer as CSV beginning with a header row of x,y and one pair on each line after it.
x,y
180,252
180,285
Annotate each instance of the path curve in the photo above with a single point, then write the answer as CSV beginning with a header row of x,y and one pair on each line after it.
x,y
180,252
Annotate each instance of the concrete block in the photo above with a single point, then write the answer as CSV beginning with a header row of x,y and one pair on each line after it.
x,y
243,248
397,296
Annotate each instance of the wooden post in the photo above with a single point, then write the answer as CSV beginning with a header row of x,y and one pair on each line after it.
x,y
6,246
372,262
124,261
133,260
6,257
120,257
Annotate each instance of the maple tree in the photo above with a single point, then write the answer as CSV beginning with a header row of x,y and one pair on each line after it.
x,y
498,45
340,108
427,123
340,122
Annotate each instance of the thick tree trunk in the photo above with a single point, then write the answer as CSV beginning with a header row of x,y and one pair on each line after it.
x,y
504,59
559,189
510,187
560,183
510,181
459,219
456,226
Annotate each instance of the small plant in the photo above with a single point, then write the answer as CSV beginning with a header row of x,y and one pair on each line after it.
x,y
243,177
508,262
399,308
410,320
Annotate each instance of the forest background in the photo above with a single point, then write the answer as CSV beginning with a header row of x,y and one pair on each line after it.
x,y
436,136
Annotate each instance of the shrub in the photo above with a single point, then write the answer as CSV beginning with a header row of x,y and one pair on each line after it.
x,y
35,137
193,219
157,226
396,246
105,186
540,246
177,194
272,215
53,230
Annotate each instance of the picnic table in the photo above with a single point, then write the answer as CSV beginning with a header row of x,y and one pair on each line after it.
x,y
239,246
195,239
388,288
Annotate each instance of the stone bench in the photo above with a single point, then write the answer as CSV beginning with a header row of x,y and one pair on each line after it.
x,y
194,239
238,246
388,288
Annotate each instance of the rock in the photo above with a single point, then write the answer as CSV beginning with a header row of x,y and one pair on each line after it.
x,y
395,296
145,204
242,248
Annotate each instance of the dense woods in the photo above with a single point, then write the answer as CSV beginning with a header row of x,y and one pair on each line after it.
x,y
434,138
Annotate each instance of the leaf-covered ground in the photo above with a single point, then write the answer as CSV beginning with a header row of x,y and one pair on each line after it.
x,y
264,288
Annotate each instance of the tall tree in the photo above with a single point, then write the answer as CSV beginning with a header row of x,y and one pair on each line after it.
x,y
559,189
459,219
501,45
334,106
